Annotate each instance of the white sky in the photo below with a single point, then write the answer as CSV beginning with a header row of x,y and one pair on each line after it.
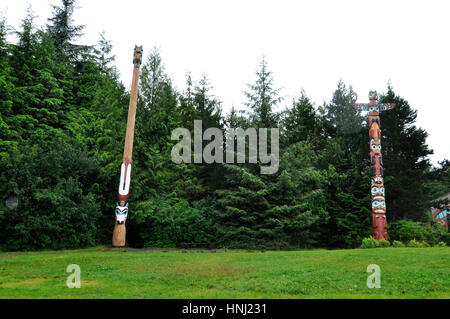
x,y
308,44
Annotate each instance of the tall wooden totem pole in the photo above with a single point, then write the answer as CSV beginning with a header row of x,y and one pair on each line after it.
x,y
376,164
119,233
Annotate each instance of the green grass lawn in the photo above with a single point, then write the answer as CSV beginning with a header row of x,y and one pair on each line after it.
x,y
105,273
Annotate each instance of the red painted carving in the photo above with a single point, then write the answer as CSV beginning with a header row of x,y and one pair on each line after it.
x,y
379,226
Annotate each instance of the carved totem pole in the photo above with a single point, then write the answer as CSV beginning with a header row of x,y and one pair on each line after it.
x,y
376,164
119,233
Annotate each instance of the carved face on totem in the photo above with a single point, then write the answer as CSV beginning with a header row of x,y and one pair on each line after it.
x,y
374,109
375,145
121,212
373,96
377,190
378,204
377,181
378,199
386,106
137,56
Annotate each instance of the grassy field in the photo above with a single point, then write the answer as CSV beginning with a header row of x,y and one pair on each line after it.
x,y
105,273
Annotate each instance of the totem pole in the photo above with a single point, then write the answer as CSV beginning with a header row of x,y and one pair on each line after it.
x,y
376,164
119,233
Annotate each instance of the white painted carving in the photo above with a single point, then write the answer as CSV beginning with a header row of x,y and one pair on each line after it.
x,y
125,177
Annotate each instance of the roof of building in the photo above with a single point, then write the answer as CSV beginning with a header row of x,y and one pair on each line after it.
x,y
447,195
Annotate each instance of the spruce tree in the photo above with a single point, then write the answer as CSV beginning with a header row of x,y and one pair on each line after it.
x,y
300,122
297,198
241,208
186,107
263,98
439,180
405,159
8,134
153,79
235,119
208,107
38,106
63,31
103,51
341,116
344,156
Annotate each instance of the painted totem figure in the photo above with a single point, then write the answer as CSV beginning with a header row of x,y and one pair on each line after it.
x,y
119,233
376,164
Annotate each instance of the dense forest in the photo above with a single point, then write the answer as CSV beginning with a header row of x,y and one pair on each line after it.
x,y
62,127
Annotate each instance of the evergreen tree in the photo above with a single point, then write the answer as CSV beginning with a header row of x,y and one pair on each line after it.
x,y
153,79
8,135
241,210
38,105
300,122
156,179
78,69
263,98
186,107
439,180
344,156
57,206
284,211
235,119
298,201
438,184
103,51
100,126
405,161
341,116
208,108
63,31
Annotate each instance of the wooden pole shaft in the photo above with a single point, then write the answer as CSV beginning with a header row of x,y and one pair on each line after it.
x,y
129,135
119,233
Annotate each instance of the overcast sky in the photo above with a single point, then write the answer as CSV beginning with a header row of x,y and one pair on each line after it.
x,y
308,44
